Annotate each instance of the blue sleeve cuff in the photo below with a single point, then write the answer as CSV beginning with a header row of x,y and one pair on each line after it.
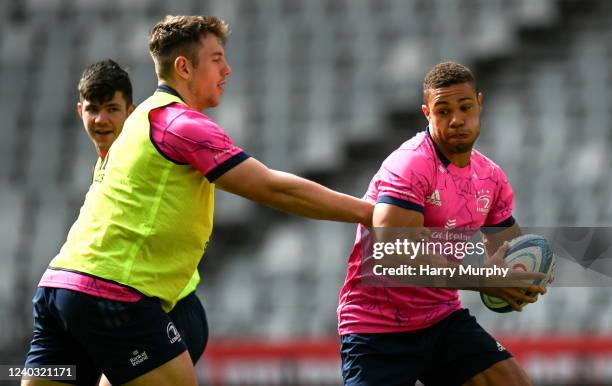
x,y
401,203
226,165
507,223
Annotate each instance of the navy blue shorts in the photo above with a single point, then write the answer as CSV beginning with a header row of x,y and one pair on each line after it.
x,y
124,340
446,354
189,318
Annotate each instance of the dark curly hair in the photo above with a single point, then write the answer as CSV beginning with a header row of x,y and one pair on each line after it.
x,y
102,79
447,74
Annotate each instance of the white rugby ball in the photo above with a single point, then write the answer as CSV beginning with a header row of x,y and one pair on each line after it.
x,y
531,253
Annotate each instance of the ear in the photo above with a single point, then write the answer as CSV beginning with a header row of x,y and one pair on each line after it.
x,y
182,67
80,109
480,99
426,111
131,109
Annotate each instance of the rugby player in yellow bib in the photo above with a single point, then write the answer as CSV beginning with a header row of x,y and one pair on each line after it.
x,y
105,102
147,217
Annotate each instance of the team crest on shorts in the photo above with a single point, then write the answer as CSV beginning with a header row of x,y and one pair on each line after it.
x,y
173,333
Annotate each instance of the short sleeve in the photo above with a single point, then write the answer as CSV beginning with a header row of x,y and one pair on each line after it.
x,y
404,180
503,203
194,139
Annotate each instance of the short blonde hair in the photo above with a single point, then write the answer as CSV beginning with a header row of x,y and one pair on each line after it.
x,y
179,36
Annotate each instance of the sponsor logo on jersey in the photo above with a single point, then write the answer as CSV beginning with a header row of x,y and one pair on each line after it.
x,y
451,223
434,199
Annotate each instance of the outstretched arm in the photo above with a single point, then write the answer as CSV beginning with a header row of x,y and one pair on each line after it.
x,y
292,194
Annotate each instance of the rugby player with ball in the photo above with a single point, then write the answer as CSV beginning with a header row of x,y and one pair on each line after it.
x,y
398,335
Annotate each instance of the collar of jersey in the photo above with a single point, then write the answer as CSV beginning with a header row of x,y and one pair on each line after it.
x,y
170,90
445,161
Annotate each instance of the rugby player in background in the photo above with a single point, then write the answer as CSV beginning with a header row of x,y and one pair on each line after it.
x,y
105,102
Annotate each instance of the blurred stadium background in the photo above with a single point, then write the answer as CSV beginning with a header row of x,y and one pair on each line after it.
x,y
325,89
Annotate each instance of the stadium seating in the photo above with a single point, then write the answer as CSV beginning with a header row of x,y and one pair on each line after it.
x,y
311,79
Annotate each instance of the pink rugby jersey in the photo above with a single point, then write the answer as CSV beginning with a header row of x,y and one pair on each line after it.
x,y
417,176
182,135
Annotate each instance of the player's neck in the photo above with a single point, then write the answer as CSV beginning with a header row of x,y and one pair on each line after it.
x,y
101,153
183,90
458,159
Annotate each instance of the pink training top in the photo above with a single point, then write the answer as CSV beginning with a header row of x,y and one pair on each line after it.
x,y
182,135
417,176
187,136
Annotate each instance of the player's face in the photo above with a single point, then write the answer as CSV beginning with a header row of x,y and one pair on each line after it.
x,y
208,81
454,116
103,122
